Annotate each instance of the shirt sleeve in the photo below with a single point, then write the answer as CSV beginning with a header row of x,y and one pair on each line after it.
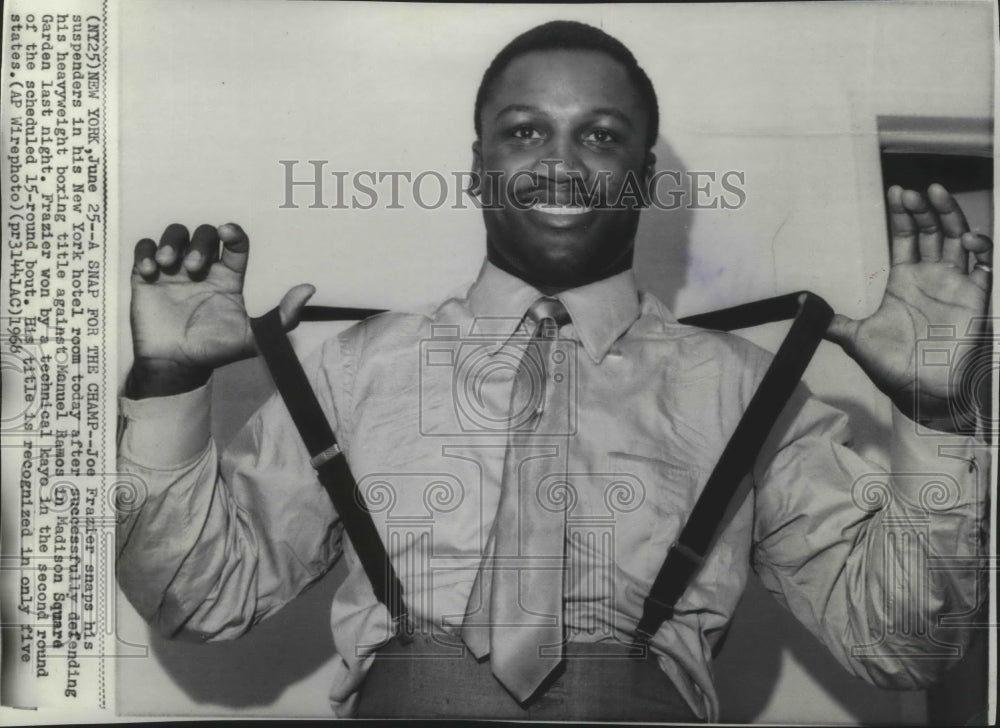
x,y
215,544
881,566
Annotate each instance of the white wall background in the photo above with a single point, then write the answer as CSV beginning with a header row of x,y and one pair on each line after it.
x,y
215,93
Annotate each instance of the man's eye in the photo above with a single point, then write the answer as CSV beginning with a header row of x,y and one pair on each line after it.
x,y
525,132
602,136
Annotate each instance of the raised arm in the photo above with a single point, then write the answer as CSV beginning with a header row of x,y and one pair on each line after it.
x,y
884,566
213,544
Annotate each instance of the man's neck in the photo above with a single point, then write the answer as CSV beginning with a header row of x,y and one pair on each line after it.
x,y
550,288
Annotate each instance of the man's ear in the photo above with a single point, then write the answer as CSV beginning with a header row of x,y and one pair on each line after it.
x,y
475,183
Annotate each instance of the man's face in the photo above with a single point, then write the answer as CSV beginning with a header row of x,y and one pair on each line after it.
x,y
562,161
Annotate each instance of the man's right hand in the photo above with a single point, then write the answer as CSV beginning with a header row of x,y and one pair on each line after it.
x,y
188,315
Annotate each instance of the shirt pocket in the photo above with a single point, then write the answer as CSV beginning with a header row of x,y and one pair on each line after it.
x,y
670,486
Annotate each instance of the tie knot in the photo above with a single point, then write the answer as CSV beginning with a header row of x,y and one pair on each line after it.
x,y
548,309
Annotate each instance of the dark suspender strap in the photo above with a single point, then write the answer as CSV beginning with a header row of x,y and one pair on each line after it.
x,y
708,518
328,460
812,317
755,313
337,313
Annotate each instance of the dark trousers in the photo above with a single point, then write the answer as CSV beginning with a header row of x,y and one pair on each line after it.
x,y
596,682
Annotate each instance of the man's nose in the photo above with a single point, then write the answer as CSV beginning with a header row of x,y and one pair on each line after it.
x,y
563,162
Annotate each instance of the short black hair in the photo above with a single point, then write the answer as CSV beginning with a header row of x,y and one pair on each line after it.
x,y
571,35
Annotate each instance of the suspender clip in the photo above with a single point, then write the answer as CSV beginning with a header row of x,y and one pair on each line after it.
x,y
402,627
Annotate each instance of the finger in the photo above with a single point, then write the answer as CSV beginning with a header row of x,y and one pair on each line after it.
x,y
145,261
981,248
950,214
291,305
953,225
173,242
235,247
902,228
842,331
929,236
203,249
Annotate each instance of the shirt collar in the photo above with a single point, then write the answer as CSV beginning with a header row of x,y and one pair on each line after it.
x,y
601,311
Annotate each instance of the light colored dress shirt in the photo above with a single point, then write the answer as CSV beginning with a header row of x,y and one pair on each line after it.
x,y
221,543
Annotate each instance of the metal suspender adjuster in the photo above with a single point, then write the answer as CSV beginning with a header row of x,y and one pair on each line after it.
x,y
318,461
688,553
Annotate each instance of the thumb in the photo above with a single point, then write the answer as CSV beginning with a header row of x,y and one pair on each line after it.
x,y
292,304
842,331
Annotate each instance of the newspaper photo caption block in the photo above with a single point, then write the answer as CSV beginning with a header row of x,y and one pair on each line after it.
x,y
57,424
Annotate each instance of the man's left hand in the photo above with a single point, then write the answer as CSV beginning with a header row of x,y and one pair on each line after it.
x,y
930,285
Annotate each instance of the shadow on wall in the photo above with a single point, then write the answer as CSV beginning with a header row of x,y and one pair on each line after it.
x,y
254,670
763,634
662,241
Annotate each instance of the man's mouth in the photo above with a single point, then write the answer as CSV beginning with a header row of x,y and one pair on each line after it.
x,y
562,215
558,202
550,209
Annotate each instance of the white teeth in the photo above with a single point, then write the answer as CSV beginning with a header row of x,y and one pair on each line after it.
x,y
559,210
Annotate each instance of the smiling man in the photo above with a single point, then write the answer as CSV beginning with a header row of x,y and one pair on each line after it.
x,y
530,450
565,138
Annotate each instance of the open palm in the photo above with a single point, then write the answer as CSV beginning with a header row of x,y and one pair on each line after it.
x,y
931,292
196,319
188,315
